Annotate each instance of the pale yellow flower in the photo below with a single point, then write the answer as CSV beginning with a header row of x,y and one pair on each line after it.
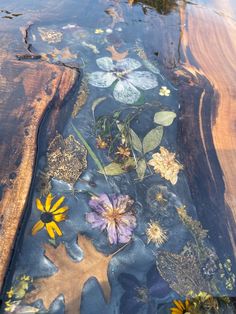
x,y
10,306
10,293
166,165
101,144
99,31
155,233
164,91
26,278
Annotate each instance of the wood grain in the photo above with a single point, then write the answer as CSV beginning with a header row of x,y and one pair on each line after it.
x,y
27,90
209,50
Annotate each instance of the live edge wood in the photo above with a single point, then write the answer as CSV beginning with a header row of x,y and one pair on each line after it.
x,y
27,89
207,128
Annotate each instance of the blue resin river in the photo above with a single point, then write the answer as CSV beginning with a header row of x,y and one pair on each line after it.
x,y
111,226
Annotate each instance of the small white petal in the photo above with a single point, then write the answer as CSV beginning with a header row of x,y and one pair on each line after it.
x,y
105,63
143,79
101,79
126,92
128,64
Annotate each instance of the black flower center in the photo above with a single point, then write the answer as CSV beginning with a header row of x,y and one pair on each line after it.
x,y
46,217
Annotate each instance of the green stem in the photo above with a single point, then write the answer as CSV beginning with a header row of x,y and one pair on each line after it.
x,y
89,149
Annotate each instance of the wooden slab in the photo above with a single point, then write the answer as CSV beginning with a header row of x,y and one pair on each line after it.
x,y
207,128
28,89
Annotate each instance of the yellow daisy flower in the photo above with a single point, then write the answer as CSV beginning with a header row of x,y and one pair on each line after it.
x,y
181,307
51,215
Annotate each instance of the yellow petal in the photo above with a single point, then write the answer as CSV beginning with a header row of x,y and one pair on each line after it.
x,y
39,205
60,210
174,310
57,204
50,230
187,303
179,304
48,202
59,217
37,227
56,228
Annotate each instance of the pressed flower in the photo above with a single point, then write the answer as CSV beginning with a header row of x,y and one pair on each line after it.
x,y
164,91
123,152
181,307
10,306
155,233
113,214
99,31
160,198
127,78
26,278
101,143
10,293
51,215
140,297
166,164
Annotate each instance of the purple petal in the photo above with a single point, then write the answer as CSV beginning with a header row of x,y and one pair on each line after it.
x,y
112,233
122,201
97,203
129,220
96,220
114,200
124,233
122,238
104,199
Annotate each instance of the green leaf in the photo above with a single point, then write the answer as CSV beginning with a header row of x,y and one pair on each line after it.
x,y
141,168
116,169
113,169
164,118
135,141
89,149
152,139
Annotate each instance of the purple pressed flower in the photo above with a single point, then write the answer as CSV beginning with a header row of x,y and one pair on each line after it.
x,y
113,213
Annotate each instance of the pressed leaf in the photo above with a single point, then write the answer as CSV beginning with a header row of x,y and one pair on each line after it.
x,y
117,56
164,118
152,139
141,168
67,159
71,276
135,141
116,169
113,169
